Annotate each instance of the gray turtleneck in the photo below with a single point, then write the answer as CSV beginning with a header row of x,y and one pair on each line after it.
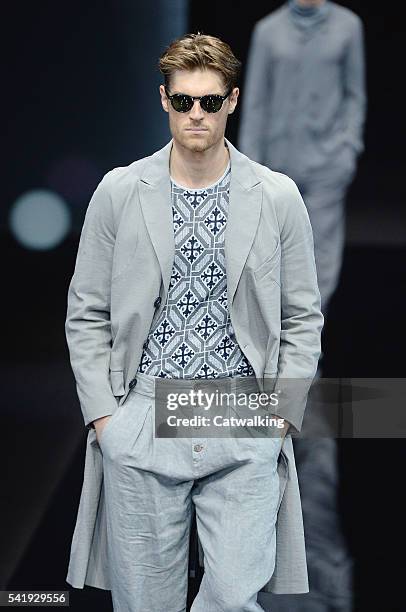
x,y
308,16
303,98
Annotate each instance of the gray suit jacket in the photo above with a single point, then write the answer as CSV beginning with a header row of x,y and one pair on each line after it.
x,y
304,99
124,263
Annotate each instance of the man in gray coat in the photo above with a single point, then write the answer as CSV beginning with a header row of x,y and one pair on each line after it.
x,y
195,265
303,113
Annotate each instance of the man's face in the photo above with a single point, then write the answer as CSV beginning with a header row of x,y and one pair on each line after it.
x,y
197,130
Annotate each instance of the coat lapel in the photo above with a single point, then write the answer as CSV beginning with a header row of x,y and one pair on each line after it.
x,y
243,217
155,197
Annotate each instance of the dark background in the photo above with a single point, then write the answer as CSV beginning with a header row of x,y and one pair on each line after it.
x,y
81,84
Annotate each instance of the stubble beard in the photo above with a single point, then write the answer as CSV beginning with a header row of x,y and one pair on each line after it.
x,y
196,144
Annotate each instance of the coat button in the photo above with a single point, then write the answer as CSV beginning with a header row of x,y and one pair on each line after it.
x,y
158,301
132,383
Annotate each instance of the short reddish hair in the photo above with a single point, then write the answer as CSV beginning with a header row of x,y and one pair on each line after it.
x,y
200,51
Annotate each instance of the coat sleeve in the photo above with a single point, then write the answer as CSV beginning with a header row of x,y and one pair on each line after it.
x,y
355,99
255,96
87,327
301,316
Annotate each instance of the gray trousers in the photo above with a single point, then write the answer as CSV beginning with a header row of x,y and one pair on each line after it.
x,y
150,485
324,196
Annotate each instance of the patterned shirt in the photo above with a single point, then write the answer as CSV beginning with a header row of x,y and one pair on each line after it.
x,y
193,337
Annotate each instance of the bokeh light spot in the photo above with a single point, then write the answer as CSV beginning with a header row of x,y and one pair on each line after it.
x,y
39,219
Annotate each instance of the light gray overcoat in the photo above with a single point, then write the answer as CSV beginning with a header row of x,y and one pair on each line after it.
x,y
124,263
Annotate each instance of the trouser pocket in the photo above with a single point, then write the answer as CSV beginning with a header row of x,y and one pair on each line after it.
x,y
126,423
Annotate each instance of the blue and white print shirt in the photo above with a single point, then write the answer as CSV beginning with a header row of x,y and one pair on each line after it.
x,y
193,337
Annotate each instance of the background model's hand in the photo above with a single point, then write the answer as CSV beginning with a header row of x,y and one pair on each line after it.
x,y
99,424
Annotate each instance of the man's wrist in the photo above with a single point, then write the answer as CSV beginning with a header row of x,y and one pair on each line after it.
x,y
92,424
286,424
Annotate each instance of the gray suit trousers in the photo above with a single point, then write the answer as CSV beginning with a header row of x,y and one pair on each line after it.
x,y
150,485
324,195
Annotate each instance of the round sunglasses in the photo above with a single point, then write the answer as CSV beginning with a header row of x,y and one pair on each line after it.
x,y
183,103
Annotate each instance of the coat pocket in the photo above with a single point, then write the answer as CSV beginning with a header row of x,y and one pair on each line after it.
x,y
117,382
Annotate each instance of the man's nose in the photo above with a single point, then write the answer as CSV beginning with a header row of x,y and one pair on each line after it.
x,y
196,111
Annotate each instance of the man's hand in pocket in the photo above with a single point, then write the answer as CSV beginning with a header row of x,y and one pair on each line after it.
x,y
283,430
99,424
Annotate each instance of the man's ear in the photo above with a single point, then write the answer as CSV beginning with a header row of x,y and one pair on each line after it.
x,y
164,99
233,100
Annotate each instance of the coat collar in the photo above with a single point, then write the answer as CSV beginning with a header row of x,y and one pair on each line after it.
x,y
156,168
243,217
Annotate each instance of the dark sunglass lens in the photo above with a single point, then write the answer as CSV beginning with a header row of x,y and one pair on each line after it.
x,y
182,104
211,104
